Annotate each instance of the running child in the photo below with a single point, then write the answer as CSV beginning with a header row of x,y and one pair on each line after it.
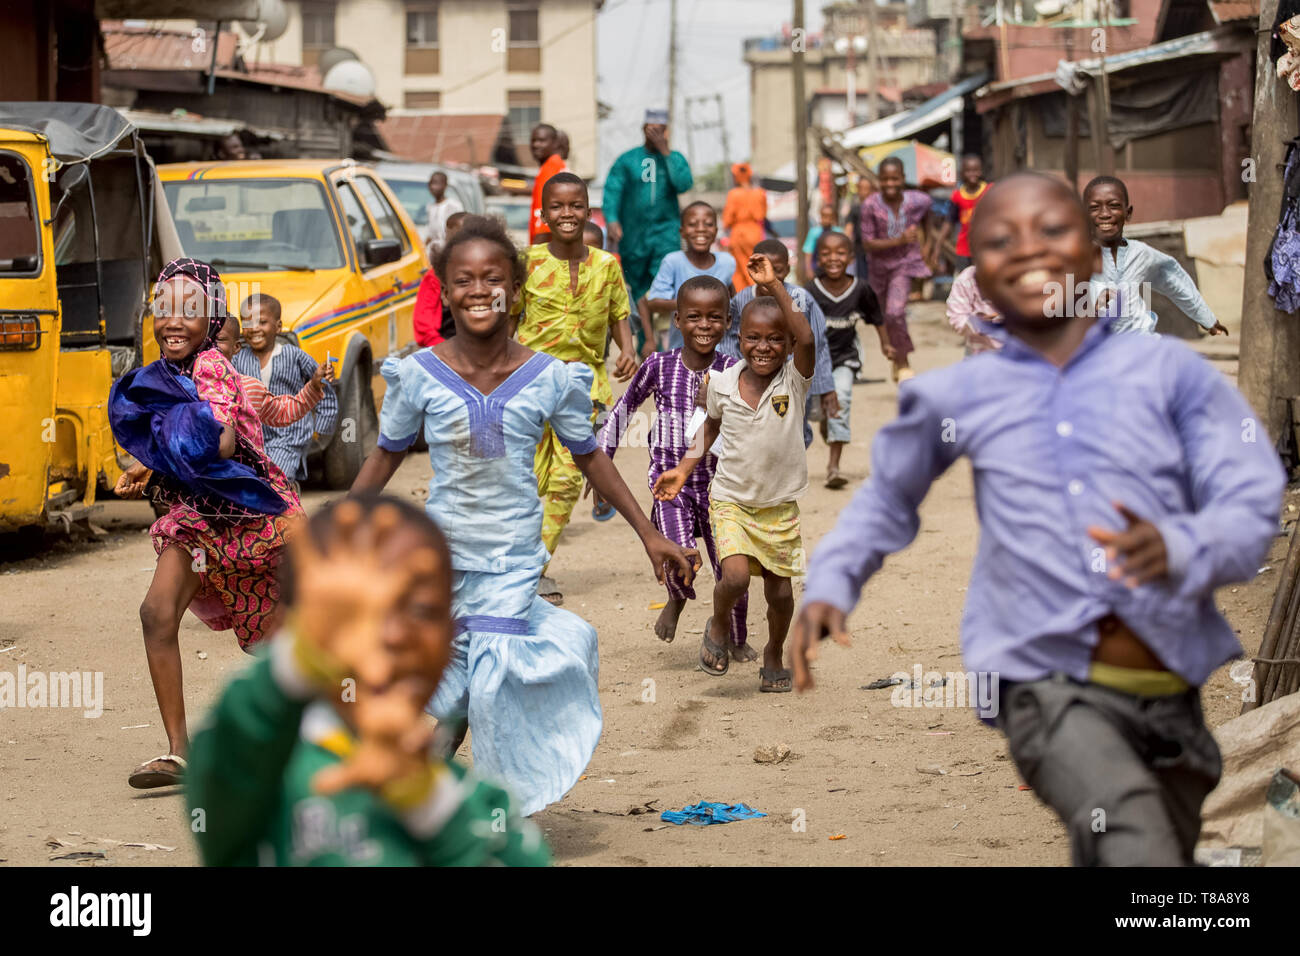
x,y
753,409
673,379
964,199
808,251
284,369
1116,491
523,670
277,410
699,232
845,300
1128,265
572,299
822,390
291,771
891,231
198,446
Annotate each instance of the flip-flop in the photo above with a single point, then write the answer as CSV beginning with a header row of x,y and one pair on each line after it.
x,y
774,682
603,511
836,480
144,779
717,651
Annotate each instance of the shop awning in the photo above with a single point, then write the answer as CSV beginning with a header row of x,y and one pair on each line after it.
x,y
934,111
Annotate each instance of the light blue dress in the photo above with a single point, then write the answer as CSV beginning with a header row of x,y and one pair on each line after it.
x,y
523,671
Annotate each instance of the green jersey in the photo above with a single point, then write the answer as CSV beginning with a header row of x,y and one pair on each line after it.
x,y
251,801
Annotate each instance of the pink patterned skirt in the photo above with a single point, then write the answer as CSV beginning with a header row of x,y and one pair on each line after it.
x,y
237,567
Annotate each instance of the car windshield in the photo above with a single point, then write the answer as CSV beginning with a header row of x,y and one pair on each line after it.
x,y
415,197
255,224
515,214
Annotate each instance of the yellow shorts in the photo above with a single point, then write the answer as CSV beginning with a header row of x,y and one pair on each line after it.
x,y
768,536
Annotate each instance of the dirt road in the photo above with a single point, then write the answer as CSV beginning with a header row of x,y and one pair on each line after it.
x,y
901,785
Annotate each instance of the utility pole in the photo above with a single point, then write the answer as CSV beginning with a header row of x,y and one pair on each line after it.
x,y
672,58
1071,122
800,127
873,110
722,128
954,41
690,129
1269,364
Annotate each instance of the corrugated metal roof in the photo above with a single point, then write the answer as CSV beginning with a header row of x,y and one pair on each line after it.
x,y
132,49
443,137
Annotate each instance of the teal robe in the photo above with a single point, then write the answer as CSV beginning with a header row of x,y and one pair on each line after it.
x,y
641,193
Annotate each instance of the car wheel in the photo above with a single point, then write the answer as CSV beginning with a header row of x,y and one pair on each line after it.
x,y
357,434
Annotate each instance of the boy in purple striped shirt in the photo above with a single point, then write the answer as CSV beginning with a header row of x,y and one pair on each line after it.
x,y
674,378
1119,480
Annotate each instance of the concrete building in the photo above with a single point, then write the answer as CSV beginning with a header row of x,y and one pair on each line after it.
x,y
526,60
837,76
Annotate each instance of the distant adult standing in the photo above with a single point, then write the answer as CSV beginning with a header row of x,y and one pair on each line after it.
x,y
438,212
641,208
545,147
743,215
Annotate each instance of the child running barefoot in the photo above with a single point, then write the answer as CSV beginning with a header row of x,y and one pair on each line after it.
x,y
674,379
198,444
276,410
754,408
891,231
1116,490
1129,266
523,670
320,754
845,301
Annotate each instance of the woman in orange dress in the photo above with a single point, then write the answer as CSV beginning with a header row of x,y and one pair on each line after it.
x,y
743,216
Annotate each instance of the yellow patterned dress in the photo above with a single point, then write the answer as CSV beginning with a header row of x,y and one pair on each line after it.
x,y
571,322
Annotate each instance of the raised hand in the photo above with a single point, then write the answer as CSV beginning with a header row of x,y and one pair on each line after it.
x,y
761,271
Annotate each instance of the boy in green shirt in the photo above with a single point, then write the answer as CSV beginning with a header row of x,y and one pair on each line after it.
x,y
319,754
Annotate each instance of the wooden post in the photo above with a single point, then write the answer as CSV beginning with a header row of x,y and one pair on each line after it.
x,y
800,131
1269,367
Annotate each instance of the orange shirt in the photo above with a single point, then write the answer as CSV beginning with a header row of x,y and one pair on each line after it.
x,y
549,168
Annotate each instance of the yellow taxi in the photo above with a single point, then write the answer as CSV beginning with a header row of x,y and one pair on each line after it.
x,y
327,239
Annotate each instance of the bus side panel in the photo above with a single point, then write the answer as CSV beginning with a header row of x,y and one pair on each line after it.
x,y
82,400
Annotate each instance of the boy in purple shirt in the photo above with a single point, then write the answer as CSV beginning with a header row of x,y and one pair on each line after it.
x,y
674,378
1119,480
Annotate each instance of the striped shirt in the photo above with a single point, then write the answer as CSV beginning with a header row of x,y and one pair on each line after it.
x,y
289,369
674,387
280,410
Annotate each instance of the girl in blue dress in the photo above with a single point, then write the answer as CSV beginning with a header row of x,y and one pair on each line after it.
x,y
522,670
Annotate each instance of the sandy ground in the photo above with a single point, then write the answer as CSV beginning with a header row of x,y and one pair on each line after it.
x,y
854,790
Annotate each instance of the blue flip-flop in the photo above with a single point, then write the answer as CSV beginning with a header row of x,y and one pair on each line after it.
x,y
603,511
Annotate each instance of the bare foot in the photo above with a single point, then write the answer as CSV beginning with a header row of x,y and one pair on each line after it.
x,y
666,624
743,653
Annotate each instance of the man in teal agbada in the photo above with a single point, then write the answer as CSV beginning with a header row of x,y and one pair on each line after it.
x,y
641,206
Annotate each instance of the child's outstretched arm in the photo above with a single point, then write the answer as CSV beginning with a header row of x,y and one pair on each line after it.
x,y
907,456
609,484
1172,281
669,485
805,346
1236,484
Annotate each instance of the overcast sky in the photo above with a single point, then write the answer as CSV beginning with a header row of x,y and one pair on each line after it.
x,y
632,52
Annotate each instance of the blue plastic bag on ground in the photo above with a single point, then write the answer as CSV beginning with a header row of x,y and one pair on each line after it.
x,y
704,813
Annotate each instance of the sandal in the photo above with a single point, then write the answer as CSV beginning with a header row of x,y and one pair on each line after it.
x,y
603,511
549,591
718,651
774,682
834,479
142,778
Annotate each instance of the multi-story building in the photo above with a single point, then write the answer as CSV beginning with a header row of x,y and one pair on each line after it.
x,y
526,60
837,76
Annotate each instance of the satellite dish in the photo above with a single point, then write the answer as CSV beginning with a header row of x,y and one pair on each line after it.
x,y
270,23
333,57
350,76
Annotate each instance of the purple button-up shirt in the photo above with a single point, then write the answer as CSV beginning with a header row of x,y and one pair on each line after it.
x,y
1140,420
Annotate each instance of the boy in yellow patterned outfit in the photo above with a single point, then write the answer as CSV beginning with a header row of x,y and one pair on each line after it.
x,y
573,296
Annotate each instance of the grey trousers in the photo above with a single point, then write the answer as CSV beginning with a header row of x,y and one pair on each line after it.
x,y
1127,775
